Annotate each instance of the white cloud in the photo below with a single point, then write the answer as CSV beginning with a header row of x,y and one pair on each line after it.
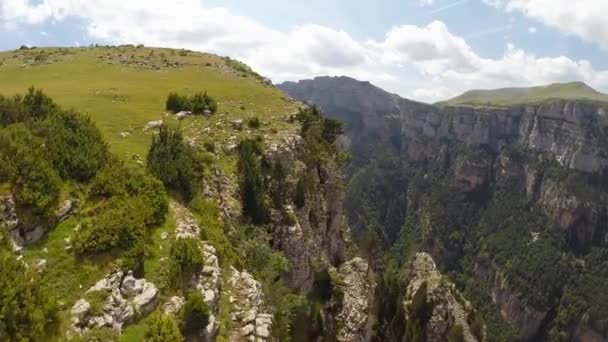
x,y
426,2
585,19
424,62
532,30
432,48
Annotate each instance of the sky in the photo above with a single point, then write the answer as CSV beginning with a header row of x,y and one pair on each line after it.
x,y
427,50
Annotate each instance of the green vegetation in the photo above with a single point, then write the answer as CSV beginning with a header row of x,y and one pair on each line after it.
x,y
185,258
255,205
516,96
195,314
199,103
28,312
162,328
420,310
176,163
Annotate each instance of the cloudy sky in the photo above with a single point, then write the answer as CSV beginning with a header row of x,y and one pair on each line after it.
x,y
427,50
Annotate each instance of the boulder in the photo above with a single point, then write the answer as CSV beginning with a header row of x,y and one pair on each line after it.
x,y
128,298
65,210
154,124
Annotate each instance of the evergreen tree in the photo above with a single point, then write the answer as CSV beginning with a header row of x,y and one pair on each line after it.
x,y
162,328
195,314
253,198
175,163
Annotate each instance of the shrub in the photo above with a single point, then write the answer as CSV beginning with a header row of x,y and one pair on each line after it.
x,y
195,314
27,309
185,259
162,328
175,163
74,145
254,123
455,334
198,103
119,226
24,164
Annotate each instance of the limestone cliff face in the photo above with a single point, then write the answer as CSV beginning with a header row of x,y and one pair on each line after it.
x,y
450,309
526,318
314,232
569,135
571,132
352,311
314,236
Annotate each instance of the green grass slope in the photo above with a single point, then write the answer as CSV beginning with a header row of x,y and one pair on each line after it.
x,y
516,96
122,88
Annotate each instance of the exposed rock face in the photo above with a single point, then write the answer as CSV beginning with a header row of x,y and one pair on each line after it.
x,y
185,223
449,307
9,221
353,312
251,319
518,141
471,176
318,230
126,299
208,280
580,220
526,318
584,333
570,131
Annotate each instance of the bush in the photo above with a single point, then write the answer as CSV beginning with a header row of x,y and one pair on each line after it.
x,y
25,165
175,163
455,334
162,328
185,259
74,145
195,314
27,310
254,123
120,225
197,104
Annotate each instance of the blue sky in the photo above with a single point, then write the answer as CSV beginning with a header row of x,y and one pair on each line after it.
x,y
423,49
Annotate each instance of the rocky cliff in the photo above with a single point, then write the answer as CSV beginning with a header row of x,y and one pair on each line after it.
x,y
471,172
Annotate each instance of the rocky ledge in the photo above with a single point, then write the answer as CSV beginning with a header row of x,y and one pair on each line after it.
x,y
353,314
449,306
126,298
251,319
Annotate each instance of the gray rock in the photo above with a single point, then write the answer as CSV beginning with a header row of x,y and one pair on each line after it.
x,y
64,211
174,305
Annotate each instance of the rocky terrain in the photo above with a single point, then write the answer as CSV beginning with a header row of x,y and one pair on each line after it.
x,y
549,156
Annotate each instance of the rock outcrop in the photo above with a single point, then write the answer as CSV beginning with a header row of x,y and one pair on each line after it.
x,y
353,311
316,230
21,233
208,280
119,300
449,306
251,318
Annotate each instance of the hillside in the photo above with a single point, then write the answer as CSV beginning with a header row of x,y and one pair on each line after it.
x,y
122,88
223,225
531,95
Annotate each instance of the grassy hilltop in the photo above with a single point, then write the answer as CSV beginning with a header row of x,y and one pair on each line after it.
x,y
521,96
122,88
